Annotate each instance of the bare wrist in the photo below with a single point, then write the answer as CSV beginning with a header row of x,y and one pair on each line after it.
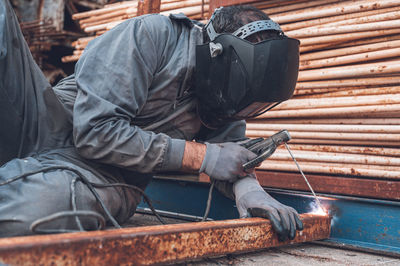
x,y
193,156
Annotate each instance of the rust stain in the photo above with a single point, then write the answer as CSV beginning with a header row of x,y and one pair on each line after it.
x,y
154,244
354,172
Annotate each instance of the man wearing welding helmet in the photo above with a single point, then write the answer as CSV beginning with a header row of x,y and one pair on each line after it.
x,y
245,67
84,150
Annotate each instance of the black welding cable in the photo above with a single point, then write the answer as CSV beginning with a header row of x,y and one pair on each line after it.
x,y
208,201
13,179
73,203
63,214
97,196
135,188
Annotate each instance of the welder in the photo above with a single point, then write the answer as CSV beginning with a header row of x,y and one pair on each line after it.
x,y
154,94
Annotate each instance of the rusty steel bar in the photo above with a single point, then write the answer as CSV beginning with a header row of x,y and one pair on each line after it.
x,y
340,184
148,7
155,244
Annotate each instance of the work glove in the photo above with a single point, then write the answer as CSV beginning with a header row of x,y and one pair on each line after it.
x,y
253,201
224,161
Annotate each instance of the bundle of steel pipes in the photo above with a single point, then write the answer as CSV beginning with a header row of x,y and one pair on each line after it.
x,y
42,36
344,118
96,22
38,34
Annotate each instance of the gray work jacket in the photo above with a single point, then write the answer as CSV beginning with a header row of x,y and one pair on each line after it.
x,y
131,101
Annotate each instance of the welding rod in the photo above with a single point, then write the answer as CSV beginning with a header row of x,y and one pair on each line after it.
x,y
305,178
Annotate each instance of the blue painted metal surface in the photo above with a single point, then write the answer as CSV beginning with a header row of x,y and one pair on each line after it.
x,y
366,223
189,198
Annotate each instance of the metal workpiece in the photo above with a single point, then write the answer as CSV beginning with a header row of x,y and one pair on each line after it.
x,y
368,224
339,184
155,244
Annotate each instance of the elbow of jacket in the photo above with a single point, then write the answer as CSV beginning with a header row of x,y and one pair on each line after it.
x,y
85,152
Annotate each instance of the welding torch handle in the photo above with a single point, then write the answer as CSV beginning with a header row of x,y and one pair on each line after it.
x,y
259,159
264,148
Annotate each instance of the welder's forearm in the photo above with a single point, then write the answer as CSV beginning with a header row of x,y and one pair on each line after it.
x,y
193,156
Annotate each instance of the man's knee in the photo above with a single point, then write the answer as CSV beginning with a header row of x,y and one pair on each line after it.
x,y
9,228
34,197
55,190
60,222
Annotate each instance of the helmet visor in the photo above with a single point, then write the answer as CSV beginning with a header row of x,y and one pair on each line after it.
x,y
254,109
245,79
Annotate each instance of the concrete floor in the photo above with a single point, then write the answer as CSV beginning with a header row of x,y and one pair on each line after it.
x,y
306,254
302,255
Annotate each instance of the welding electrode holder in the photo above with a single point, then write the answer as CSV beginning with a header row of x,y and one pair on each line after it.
x,y
264,148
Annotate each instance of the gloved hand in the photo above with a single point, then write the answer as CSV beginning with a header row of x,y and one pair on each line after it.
x,y
252,200
223,161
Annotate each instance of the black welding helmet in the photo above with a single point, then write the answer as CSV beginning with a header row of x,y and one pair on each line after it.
x,y
237,79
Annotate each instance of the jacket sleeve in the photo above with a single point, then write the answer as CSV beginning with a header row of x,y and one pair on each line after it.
x,y
113,77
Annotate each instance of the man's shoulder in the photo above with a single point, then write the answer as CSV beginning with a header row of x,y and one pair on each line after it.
x,y
154,24
159,21
178,18
156,19
149,21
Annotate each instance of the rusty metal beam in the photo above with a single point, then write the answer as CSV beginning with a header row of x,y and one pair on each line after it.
x,y
154,244
336,185
360,187
148,7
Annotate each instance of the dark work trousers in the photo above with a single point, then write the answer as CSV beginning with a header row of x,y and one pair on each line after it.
x,y
35,139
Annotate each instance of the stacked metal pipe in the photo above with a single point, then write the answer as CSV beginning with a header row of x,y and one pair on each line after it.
x,y
96,22
42,36
39,35
344,118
